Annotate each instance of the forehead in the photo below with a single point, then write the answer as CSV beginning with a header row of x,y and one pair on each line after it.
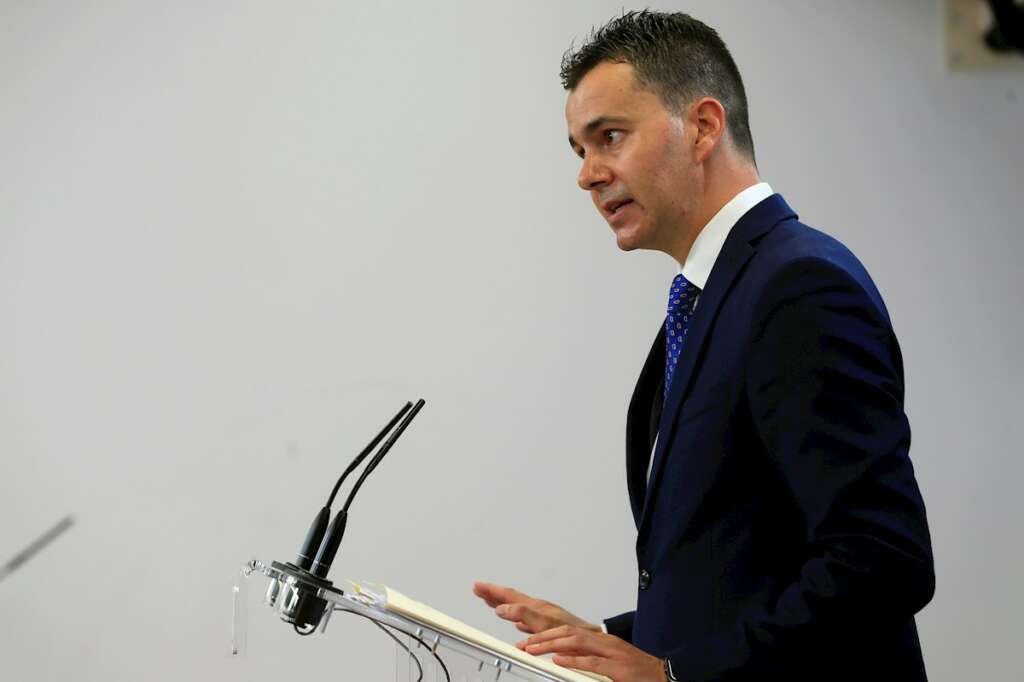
x,y
607,90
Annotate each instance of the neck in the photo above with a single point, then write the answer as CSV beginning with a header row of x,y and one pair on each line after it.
x,y
722,182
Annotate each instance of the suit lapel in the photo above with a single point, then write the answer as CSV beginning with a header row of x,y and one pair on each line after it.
x,y
642,423
735,253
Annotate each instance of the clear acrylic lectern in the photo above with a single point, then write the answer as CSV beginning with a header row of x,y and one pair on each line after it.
x,y
432,647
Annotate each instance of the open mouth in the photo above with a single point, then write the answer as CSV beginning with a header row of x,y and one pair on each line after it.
x,y
616,208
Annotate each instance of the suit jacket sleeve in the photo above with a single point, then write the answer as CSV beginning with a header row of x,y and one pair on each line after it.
x,y
825,389
621,625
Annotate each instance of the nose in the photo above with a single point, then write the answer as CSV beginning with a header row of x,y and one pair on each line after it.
x,y
593,174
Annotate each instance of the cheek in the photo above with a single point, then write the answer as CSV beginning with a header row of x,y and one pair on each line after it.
x,y
665,188
676,181
663,166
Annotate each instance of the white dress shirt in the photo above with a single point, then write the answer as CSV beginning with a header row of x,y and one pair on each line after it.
x,y
708,244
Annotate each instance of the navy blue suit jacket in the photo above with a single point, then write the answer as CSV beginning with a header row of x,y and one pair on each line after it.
x,y
782,529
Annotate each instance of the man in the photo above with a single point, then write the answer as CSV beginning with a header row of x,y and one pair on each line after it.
x,y
781,533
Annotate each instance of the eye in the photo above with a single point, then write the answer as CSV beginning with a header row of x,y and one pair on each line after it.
x,y
612,136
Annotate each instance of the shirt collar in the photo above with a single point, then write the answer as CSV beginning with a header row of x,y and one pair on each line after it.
x,y
708,244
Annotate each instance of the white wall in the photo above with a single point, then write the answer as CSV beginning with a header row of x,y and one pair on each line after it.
x,y
235,237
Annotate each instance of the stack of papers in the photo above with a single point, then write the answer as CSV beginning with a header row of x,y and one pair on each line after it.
x,y
398,603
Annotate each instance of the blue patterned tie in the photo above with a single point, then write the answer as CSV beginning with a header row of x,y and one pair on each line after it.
x,y
681,300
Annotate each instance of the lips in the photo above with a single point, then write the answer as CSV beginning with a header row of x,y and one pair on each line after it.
x,y
613,206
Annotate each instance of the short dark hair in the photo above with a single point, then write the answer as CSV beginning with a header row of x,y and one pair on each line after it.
x,y
673,55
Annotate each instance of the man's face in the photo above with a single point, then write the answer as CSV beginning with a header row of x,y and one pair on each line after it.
x,y
637,164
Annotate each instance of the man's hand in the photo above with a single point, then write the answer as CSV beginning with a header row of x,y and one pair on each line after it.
x,y
529,614
596,652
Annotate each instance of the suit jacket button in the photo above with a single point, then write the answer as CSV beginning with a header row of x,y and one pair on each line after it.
x,y
645,579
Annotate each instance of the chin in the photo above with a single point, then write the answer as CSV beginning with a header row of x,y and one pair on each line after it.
x,y
628,240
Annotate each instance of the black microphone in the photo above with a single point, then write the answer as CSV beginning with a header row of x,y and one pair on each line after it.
x,y
315,535
299,601
329,548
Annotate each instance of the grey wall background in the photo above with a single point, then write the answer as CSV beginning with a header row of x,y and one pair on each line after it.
x,y
235,237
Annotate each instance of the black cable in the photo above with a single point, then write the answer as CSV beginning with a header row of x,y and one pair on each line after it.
x,y
390,634
433,653
419,666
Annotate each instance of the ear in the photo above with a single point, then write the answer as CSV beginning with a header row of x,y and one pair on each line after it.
x,y
707,116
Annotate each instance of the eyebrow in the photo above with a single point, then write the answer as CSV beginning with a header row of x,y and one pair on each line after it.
x,y
594,125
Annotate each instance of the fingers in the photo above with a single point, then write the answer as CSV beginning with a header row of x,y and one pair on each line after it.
x,y
526,613
495,595
514,612
592,664
553,633
486,591
512,605
597,652
524,617
572,641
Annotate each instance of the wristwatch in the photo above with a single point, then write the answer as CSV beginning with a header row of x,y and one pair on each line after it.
x,y
669,675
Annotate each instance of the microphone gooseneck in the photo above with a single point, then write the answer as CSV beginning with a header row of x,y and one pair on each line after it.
x,y
332,541
383,451
315,534
366,451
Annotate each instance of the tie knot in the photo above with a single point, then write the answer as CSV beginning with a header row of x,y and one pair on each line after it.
x,y
682,296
